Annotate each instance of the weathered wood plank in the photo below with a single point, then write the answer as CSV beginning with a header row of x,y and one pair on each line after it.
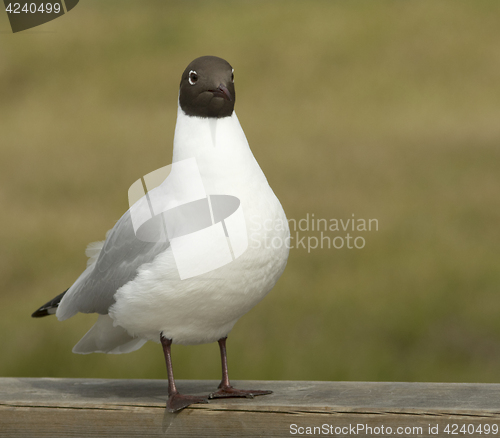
x,y
122,408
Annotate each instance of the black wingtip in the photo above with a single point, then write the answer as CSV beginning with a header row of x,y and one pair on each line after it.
x,y
48,308
40,312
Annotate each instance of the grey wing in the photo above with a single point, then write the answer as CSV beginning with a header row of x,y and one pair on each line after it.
x,y
121,256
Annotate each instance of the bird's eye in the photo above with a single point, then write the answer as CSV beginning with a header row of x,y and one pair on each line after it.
x,y
193,77
232,75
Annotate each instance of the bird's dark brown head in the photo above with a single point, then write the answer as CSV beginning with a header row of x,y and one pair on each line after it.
x,y
207,88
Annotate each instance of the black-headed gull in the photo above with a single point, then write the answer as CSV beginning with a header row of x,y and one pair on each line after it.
x,y
222,248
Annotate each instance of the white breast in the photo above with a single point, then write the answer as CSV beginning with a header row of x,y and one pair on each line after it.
x,y
205,308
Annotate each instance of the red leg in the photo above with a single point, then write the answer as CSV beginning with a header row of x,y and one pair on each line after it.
x,y
225,388
176,401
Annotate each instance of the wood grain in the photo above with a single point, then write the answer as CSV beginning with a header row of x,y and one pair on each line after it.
x,y
128,408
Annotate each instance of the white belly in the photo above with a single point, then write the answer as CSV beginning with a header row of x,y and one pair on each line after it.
x,y
204,309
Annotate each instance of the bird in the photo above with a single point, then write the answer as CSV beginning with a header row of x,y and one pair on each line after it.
x,y
136,285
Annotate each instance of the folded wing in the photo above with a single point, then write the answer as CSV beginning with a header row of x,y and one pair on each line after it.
x,y
116,264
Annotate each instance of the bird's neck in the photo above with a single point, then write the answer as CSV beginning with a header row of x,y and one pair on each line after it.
x,y
219,146
199,135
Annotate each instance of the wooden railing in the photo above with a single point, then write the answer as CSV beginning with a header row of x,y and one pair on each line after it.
x,y
129,408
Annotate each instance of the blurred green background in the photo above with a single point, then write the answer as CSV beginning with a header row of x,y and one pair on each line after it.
x,y
386,110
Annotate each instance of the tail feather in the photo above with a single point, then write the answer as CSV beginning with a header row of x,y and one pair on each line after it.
x,y
104,337
48,308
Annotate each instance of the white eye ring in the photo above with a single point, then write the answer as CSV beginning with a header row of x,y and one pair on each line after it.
x,y
232,75
192,77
